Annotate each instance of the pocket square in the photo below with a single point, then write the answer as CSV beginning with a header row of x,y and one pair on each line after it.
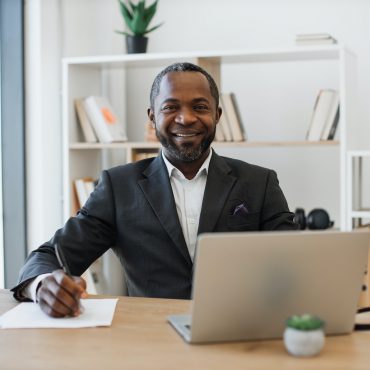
x,y
240,209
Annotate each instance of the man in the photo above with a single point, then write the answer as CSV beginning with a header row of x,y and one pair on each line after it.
x,y
150,212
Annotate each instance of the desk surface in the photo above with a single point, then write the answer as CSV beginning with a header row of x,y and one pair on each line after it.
x,y
141,338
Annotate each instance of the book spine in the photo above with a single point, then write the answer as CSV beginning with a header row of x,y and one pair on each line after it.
x,y
96,119
224,121
320,114
332,116
84,121
81,192
334,125
232,118
241,126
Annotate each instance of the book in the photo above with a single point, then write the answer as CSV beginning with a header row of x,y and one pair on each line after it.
x,y
332,119
219,135
81,192
320,114
239,117
105,122
144,155
315,38
83,187
233,117
89,186
150,134
83,119
223,123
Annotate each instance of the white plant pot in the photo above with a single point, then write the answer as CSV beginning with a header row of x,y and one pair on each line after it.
x,y
304,343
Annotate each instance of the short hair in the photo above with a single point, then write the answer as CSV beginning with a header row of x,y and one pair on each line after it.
x,y
183,67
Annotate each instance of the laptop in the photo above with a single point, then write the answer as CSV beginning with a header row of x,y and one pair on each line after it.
x,y
246,285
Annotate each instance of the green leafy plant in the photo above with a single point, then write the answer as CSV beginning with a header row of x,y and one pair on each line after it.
x,y
305,322
138,16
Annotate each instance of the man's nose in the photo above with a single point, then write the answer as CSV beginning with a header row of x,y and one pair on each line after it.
x,y
185,116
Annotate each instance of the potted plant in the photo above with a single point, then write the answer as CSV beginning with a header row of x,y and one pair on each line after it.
x,y
304,335
137,18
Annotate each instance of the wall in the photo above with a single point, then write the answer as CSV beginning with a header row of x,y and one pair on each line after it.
x,y
86,27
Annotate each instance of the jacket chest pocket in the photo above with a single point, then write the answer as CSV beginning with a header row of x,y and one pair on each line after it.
x,y
244,221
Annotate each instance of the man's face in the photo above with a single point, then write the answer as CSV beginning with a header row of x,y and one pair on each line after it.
x,y
185,116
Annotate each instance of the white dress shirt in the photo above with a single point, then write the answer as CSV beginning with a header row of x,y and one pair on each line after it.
x,y
188,196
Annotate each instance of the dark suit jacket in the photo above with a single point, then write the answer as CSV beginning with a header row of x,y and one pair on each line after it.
x,y
132,211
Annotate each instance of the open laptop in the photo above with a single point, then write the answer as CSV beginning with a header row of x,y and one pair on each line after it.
x,y
246,285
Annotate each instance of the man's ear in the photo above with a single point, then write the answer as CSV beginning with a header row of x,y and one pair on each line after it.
x,y
150,113
218,114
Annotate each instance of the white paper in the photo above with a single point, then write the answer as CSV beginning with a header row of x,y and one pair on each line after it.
x,y
98,312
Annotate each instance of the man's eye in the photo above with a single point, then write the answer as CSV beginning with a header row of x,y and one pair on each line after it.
x,y
201,107
168,108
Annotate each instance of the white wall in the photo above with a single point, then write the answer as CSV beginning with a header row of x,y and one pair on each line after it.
x,y
43,122
86,27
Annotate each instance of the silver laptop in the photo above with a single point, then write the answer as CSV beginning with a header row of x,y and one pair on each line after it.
x,y
246,285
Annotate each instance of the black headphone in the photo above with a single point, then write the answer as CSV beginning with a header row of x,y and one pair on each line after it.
x,y
317,219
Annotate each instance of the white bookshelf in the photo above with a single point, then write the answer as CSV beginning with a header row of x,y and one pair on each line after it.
x,y
356,167
84,76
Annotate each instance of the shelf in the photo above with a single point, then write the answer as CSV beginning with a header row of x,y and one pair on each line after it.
x,y
301,53
252,144
125,145
360,214
358,153
231,144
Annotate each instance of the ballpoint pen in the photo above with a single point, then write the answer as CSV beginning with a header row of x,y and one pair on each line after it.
x,y
63,264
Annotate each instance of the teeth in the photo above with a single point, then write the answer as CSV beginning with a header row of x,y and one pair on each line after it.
x,y
185,135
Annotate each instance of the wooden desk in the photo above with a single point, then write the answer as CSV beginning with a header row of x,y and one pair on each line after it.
x,y
140,338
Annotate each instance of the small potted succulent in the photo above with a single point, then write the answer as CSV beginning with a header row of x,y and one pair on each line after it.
x,y
304,335
137,18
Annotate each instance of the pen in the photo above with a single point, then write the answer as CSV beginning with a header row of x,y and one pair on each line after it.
x,y
63,264
62,260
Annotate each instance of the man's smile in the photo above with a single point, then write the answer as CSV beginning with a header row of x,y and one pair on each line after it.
x,y
189,134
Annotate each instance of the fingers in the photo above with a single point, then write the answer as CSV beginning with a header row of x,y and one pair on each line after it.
x,y
59,294
82,283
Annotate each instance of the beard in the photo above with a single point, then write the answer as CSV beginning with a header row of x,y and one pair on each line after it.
x,y
185,153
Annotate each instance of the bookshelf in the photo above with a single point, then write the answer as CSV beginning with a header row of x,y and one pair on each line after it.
x,y
111,76
93,75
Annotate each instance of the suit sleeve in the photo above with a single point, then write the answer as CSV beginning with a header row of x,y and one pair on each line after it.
x,y
275,211
84,237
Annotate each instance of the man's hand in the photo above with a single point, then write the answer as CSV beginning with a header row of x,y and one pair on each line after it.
x,y
59,294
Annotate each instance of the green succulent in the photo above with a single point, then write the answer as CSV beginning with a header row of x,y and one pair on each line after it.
x,y
138,17
305,322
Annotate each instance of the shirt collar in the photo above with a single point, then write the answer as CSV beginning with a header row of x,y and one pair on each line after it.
x,y
171,168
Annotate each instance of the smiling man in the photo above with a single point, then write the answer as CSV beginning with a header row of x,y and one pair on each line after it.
x,y
150,212
184,113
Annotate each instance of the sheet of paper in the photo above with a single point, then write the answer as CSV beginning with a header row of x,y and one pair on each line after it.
x,y
98,312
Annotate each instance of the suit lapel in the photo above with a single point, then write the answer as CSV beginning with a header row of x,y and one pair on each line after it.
x,y
219,183
157,189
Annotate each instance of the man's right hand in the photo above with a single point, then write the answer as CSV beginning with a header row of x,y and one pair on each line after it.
x,y
59,294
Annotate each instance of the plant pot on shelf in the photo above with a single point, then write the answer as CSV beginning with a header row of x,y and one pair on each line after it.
x,y
136,44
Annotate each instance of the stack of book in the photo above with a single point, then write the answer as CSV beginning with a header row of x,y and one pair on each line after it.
x,y
230,126
325,116
315,39
98,120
